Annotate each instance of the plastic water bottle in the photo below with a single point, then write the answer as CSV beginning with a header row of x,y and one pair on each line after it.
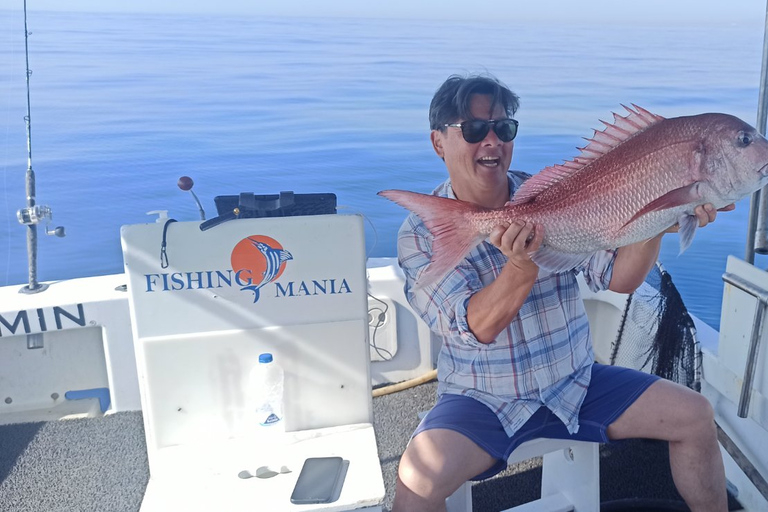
x,y
266,384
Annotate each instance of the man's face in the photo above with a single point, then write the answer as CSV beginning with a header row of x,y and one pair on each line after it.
x,y
475,167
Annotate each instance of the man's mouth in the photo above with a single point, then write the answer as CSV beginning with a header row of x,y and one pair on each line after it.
x,y
489,161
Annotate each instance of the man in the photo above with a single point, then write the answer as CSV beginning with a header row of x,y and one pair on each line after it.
x,y
517,361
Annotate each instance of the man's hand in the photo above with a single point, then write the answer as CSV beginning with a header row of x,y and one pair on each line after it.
x,y
517,241
491,309
705,213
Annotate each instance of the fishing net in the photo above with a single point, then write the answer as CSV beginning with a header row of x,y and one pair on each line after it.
x,y
657,335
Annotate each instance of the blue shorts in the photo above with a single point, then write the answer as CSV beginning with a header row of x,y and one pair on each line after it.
x,y
612,390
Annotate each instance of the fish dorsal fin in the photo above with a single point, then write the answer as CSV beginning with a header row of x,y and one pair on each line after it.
x,y
622,128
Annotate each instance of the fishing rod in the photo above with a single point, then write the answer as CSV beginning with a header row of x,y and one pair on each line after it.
x,y
33,214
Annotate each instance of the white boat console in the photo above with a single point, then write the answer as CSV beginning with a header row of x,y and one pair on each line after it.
x,y
204,305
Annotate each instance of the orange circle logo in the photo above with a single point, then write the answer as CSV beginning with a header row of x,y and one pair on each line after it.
x,y
260,259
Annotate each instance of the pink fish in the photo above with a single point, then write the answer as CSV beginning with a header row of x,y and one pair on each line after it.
x,y
636,178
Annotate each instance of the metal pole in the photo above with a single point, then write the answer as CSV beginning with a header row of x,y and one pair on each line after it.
x,y
757,236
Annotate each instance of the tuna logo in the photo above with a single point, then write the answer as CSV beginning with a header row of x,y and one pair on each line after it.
x,y
261,256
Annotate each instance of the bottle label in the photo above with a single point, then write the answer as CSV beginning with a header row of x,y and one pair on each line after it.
x,y
271,419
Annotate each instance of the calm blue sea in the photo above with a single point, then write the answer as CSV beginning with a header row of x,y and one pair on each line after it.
x,y
125,104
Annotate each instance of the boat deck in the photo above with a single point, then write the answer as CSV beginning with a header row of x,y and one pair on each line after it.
x,y
100,464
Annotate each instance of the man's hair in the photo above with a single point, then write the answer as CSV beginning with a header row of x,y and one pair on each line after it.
x,y
452,100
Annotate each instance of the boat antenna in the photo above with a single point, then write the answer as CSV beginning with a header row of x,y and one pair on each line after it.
x,y
33,214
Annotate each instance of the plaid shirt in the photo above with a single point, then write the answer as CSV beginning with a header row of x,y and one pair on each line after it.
x,y
545,355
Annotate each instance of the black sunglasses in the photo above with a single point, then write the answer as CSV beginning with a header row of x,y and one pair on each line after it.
x,y
475,131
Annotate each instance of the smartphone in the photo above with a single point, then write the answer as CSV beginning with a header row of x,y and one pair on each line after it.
x,y
320,480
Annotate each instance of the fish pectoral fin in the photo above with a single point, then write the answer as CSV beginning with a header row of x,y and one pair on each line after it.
x,y
678,197
555,261
688,225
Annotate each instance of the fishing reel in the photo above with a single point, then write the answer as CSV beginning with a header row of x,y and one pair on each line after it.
x,y
33,215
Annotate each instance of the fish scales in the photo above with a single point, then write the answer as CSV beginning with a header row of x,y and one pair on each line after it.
x,y
593,207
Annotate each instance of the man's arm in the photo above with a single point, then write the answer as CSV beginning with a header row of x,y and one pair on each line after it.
x,y
633,262
493,308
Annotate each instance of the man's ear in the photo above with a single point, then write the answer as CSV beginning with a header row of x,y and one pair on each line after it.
x,y
437,143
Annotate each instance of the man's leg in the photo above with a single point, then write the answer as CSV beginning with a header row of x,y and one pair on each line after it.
x,y
435,464
683,417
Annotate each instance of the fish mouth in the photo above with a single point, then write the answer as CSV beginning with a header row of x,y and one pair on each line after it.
x,y
764,170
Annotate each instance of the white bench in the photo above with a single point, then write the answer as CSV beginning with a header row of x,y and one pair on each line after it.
x,y
570,479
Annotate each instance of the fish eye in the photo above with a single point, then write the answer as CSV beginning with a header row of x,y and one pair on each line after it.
x,y
744,139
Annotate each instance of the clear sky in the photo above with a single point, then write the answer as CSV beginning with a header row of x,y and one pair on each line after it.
x,y
601,11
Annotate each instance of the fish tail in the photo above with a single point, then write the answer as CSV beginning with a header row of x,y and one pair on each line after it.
x,y
449,221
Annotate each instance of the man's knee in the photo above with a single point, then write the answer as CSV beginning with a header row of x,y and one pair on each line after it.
x,y
417,481
696,409
438,461
703,413
696,417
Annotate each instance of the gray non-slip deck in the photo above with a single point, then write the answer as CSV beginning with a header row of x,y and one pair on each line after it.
x,y
100,465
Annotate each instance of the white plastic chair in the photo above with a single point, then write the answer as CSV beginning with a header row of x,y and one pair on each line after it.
x,y
570,479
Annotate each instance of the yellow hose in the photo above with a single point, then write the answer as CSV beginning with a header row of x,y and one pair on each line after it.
x,y
406,384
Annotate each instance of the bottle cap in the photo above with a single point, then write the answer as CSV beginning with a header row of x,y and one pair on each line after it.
x,y
265,358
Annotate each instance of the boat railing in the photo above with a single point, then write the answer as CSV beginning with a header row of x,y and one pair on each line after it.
x,y
757,334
